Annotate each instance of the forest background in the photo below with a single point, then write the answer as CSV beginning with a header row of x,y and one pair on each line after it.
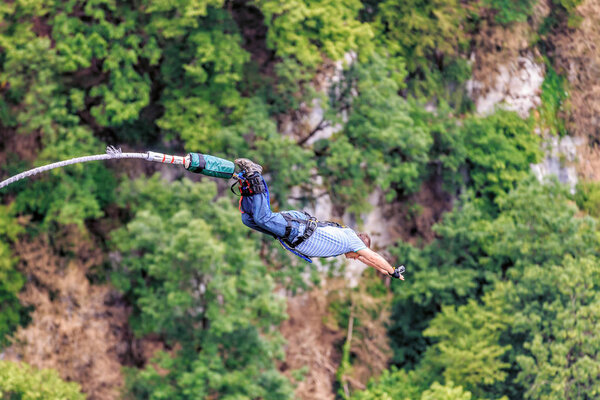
x,y
130,280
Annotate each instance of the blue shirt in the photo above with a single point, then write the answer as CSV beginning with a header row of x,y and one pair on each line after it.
x,y
331,241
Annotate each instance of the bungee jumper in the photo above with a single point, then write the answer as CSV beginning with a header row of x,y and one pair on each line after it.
x,y
297,231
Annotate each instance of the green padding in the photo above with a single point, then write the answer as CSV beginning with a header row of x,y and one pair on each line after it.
x,y
218,167
196,163
210,165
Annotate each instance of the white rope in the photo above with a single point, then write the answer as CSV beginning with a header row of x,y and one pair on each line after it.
x,y
111,153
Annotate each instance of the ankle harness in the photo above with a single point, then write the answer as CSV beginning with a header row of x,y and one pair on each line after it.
x,y
250,186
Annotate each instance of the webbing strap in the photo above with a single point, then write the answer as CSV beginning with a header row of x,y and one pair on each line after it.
x,y
302,256
311,226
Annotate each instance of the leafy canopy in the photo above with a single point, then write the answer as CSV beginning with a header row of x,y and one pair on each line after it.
x,y
535,224
20,381
195,279
11,280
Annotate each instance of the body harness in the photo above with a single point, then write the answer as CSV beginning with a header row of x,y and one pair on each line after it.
x,y
256,185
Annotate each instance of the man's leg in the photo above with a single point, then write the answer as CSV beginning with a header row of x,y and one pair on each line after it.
x,y
248,220
255,201
259,214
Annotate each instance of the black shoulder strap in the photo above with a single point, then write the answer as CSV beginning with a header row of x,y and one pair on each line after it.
x,y
288,226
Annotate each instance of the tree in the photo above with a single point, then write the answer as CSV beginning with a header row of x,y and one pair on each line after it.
x,y
40,101
392,384
397,384
11,280
201,69
508,12
556,310
499,148
467,347
429,37
304,33
532,336
381,142
196,280
20,381
535,224
445,392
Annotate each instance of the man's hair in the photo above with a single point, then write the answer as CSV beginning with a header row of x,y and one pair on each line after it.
x,y
365,238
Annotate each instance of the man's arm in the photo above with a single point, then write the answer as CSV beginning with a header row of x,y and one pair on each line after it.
x,y
371,258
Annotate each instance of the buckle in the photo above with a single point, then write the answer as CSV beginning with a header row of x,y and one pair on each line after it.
x,y
311,225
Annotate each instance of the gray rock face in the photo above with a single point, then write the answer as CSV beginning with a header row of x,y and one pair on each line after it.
x,y
517,88
560,159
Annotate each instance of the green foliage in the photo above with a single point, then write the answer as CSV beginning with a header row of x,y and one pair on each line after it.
x,y
397,384
509,11
121,93
394,145
499,150
568,7
68,196
587,197
445,392
556,309
19,381
393,384
553,108
35,71
201,70
546,314
11,280
428,35
448,151
535,224
539,224
381,146
305,32
195,279
467,347
433,25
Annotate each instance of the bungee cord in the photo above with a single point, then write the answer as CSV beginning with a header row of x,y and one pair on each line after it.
x,y
193,162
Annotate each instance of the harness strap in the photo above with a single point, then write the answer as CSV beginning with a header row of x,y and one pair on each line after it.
x,y
233,191
330,223
297,253
288,229
311,226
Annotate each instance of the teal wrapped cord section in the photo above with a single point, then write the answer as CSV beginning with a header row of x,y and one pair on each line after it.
x,y
211,166
195,164
218,167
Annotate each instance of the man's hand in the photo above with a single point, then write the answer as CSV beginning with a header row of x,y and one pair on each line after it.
x,y
398,271
376,261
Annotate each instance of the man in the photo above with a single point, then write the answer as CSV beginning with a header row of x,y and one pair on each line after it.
x,y
302,233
